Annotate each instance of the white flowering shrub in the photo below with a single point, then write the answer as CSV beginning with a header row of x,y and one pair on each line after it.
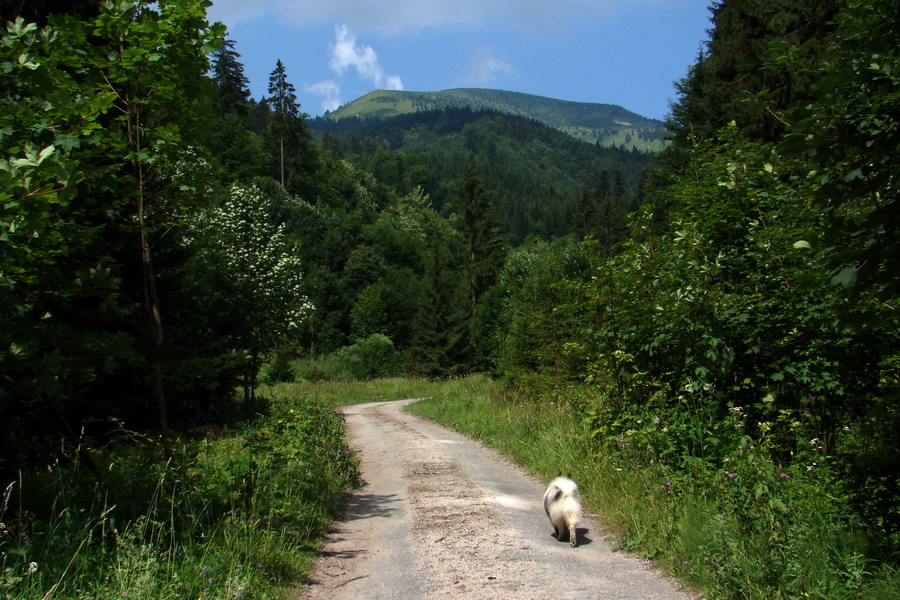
x,y
261,265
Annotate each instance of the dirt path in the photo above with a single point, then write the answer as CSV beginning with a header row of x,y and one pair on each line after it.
x,y
442,517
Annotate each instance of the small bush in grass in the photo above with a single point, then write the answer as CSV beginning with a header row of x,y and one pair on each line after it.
x,y
367,359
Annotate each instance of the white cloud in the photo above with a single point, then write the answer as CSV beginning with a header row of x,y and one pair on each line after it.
x,y
330,93
484,69
346,53
393,82
404,16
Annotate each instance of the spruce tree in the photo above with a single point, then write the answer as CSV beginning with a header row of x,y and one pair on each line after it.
x,y
285,110
736,78
297,157
232,93
585,218
482,238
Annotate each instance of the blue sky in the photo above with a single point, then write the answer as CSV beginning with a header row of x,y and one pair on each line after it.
x,y
625,52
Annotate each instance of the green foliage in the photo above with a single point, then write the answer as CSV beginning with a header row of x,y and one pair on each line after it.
x,y
848,137
604,124
720,303
483,248
741,526
98,114
237,516
531,172
296,163
232,93
733,78
524,322
46,148
371,358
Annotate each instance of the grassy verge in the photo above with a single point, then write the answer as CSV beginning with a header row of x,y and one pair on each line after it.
x,y
342,393
241,516
235,517
737,530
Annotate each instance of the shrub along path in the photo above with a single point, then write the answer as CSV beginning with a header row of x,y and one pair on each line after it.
x,y
441,516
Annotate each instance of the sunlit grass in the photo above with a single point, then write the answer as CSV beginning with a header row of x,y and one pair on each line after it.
x,y
341,393
236,517
712,532
241,516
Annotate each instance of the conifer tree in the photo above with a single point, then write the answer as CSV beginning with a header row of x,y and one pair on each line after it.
x,y
585,221
285,109
482,238
610,217
232,93
735,77
298,158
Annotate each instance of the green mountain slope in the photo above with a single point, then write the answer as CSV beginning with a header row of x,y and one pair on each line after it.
x,y
606,124
532,172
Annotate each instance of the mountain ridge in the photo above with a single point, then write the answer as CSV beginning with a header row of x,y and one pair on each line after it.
x,y
603,124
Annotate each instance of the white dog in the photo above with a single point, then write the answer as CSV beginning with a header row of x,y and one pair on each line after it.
x,y
562,502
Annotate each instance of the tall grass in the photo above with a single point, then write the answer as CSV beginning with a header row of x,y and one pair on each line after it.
x,y
343,393
235,517
739,530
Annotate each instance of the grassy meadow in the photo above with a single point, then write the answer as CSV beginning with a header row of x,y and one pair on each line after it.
x,y
241,516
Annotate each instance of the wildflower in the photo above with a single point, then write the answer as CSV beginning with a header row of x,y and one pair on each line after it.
x,y
785,476
32,567
732,475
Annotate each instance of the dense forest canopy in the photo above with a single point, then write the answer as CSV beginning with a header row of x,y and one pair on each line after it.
x,y
167,240
603,124
532,173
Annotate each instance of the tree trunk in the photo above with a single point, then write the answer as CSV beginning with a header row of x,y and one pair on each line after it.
x,y
151,301
151,298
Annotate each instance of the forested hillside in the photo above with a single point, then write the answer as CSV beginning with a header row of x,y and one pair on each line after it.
x,y
604,124
533,174
168,243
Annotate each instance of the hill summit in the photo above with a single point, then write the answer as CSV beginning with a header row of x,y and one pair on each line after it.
x,y
605,124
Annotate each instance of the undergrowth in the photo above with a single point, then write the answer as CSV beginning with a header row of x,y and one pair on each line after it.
x,y
233,517
736,527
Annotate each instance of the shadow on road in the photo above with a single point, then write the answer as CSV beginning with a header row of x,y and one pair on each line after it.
x,y
581,533
366,506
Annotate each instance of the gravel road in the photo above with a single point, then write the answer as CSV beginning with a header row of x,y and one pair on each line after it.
x,y
443,517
